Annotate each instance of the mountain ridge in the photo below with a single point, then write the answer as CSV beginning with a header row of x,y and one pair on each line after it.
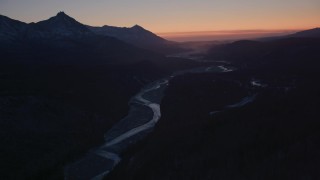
x,y
62,26
308,33
315,32
62,36
136,35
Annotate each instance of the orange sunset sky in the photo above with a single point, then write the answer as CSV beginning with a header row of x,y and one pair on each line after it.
x,y
179,18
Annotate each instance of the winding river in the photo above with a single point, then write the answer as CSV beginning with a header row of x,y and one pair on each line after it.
x,y
143,115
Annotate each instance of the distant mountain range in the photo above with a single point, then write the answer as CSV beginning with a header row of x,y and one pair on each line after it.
x,y
62,37
297,49
310,33
57,27
61,31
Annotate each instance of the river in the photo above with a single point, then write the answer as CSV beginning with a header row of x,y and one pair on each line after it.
x,y
143,115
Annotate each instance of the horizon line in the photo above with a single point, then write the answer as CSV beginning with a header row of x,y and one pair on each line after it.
x,y
235,31
226,34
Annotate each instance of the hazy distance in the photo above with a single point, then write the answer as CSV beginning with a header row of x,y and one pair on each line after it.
x,y
223,35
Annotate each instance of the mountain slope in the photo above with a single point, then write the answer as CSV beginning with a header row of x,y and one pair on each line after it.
x,y
11,30
133,35
138,36
130,35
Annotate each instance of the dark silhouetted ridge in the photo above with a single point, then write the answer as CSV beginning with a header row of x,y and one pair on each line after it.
x,y
138,36
311,33
61,35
